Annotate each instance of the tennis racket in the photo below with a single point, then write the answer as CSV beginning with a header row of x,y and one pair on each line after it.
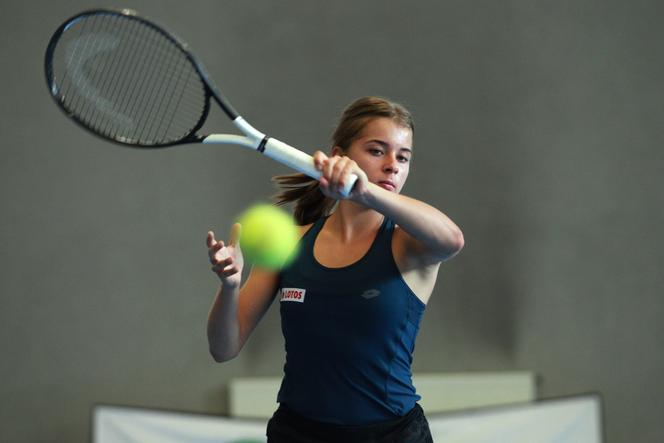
x,y
130,81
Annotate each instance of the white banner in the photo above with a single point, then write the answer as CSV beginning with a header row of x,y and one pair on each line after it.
x,y
565,420
115,424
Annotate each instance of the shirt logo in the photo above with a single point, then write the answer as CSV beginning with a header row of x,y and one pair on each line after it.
x,y
293,294
371,293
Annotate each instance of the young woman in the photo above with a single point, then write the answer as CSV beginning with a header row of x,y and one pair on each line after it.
x,y
352,300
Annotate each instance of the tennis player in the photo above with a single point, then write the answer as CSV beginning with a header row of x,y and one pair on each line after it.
x,y
352,301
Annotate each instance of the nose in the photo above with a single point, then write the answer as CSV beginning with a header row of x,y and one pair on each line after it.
x,y
391,164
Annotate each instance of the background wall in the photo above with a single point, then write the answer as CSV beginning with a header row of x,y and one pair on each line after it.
x,y
539,130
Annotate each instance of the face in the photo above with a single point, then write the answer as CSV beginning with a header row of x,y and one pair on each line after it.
x,y
383,150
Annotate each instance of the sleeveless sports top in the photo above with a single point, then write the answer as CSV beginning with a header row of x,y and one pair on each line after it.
x,y
350,334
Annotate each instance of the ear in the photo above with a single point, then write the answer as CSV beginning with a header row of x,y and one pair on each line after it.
x,y
336,150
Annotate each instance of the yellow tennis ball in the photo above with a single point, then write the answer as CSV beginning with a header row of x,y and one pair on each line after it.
x,y
269,236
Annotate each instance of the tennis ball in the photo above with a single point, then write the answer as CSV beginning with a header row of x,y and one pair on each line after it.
x,y
269,236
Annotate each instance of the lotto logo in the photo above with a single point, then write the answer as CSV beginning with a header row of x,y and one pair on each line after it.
x,y
293,294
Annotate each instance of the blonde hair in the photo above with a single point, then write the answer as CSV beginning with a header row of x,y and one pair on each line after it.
x,y
302,190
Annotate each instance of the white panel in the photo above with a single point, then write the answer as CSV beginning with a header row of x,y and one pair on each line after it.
x,y
569,420
115,424
253,397
256,397
448,392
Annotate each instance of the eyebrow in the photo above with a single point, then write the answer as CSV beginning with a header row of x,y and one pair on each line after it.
x,y
386,145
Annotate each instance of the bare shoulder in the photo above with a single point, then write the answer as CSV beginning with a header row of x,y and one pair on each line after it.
x,y
303,229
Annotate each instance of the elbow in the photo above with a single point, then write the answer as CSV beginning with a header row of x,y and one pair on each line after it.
x,y
454,245
221,355
459,241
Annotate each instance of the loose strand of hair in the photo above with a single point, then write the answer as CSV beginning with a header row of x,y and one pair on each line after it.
x,y
310,203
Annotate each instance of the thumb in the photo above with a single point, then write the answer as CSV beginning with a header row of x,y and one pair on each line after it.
x,y
236,232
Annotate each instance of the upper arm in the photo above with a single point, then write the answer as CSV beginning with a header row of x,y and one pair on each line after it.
x,y
419,263
415,253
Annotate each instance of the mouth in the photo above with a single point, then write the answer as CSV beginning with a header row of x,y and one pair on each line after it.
x,y
386,184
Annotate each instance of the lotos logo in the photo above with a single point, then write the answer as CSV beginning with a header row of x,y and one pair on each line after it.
x,y
293,294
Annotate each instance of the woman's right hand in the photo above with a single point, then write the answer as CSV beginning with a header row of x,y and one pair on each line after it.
x,y
227,260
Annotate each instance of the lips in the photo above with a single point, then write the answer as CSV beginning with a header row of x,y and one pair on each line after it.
x,y
386,184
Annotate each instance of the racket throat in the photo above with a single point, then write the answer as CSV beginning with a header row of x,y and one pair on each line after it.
x,y
252,139
249,130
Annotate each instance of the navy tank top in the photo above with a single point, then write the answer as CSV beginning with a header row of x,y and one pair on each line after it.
x,y
350,334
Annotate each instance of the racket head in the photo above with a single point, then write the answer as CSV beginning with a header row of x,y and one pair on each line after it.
x,y
128,80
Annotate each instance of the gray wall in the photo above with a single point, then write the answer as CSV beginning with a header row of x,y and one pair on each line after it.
x,y
539,130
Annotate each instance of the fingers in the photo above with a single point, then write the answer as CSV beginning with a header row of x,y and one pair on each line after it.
x,y
225,267
212,243
340,172
319,160
214,253
214,247
336,172
223,264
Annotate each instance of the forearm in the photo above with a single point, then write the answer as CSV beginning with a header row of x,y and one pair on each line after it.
x,y
223,328
433,229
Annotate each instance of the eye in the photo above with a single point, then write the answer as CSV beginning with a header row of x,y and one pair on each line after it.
x,y
403,159
376,151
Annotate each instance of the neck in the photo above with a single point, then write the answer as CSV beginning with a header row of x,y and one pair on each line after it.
x,y
351,220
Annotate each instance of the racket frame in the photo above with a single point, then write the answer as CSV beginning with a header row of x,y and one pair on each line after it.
x,y
252,138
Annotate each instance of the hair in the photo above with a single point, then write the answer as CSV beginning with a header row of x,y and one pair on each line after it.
x,y
302,190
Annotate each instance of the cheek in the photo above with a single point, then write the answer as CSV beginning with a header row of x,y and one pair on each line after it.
x,y
404,174
366,164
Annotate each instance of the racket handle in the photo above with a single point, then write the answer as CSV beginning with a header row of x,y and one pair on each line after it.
x,y
300,161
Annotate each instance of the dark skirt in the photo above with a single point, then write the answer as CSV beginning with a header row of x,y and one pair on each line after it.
x,y
285,426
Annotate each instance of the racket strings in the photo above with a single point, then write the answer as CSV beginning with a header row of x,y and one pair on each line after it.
x,y
139,99
158,92
110,66
128,81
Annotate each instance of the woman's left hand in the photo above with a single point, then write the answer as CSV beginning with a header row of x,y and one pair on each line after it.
x,y
336,172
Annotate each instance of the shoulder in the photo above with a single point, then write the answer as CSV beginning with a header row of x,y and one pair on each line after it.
x,y
303,229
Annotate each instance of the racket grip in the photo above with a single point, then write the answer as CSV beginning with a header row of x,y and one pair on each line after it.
x,y
300,161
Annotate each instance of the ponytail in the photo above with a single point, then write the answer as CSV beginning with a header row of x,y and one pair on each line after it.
x,y
310,203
